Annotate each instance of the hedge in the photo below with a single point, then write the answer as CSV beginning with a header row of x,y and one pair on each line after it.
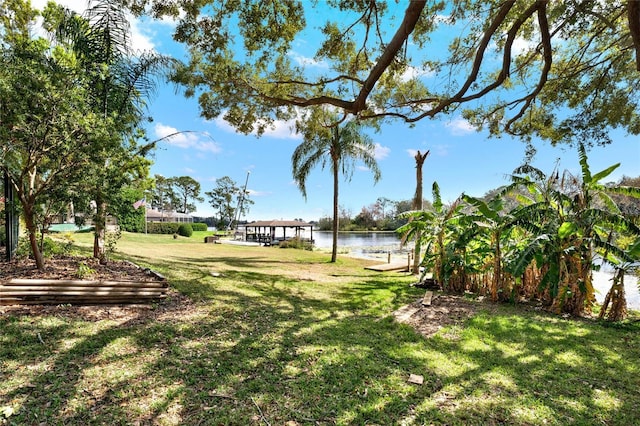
x,y
199,226
163,227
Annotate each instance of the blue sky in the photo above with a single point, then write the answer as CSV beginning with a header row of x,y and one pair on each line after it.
x,y
461,160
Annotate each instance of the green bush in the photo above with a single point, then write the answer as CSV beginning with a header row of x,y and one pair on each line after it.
x,y
296,243
199,226
50,247
162,227
185,230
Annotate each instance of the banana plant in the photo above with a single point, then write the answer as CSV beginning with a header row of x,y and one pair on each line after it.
x,y
495,225
624,261
566,217
434,228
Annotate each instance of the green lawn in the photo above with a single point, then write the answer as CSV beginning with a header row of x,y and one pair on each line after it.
x,y
282,337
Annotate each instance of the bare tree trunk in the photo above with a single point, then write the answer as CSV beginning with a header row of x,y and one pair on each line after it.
x,y
417,205
33,240
334,246
99,222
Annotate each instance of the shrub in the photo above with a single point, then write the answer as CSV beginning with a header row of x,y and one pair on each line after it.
x,y
162,227
50,247
296,243
199,226
185,230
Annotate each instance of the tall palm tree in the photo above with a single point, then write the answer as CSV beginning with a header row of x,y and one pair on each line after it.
x,y
339,147
122,81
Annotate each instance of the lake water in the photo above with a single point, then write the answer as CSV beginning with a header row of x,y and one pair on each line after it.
x,y
371,245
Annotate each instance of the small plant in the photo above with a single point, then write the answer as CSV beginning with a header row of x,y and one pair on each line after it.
x,y
84,271
111,240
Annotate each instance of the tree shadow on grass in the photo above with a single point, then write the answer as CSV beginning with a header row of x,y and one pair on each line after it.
x,y
269,348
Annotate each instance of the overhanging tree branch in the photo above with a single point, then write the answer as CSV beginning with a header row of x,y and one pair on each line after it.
x,y
633,13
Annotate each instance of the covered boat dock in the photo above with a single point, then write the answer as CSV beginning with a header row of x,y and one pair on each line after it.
x,y
269,232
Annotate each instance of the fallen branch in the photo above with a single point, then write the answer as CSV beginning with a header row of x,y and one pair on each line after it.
x,y
262,417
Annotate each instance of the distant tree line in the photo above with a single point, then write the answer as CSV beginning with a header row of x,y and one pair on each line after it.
x,y
382,215
180,194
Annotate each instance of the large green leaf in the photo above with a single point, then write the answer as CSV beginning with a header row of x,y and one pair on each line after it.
x,y
567,229
604,173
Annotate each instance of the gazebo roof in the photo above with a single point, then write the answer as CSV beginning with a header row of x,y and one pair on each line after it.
x,y
278,223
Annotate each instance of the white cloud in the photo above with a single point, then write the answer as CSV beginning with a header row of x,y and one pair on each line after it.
x,y
440,150
412,152
307,61
413,72
521,45
186,140
381,152
254,193
141,34
459,127
278,130
443,19
282,130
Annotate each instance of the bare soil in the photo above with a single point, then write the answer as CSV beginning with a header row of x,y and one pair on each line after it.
x,y
444,310
73,268
68,268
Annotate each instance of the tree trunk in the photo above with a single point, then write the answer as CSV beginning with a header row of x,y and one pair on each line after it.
x,y
33,240
417,205
99,222
334,246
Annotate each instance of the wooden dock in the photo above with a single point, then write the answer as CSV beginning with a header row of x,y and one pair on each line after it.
x,y
386,267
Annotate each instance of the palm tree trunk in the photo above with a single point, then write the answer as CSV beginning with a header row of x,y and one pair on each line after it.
x,y
334,246
417,205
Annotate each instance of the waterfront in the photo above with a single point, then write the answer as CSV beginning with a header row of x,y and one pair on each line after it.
x,y
369,245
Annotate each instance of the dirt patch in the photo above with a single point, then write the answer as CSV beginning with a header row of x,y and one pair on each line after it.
x,y
73,268
445,310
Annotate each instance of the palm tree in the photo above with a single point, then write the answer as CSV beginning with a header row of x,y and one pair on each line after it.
x,y
122,81
340,148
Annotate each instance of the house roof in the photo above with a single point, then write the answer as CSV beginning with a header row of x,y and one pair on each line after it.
x,y
157,214
278,223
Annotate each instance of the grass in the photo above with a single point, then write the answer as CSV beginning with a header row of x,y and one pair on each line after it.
x,y
283,337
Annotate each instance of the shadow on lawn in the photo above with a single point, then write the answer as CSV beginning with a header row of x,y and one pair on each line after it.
x,y
266,349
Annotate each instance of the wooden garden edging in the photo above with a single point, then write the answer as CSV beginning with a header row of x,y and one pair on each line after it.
x,y
51,291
